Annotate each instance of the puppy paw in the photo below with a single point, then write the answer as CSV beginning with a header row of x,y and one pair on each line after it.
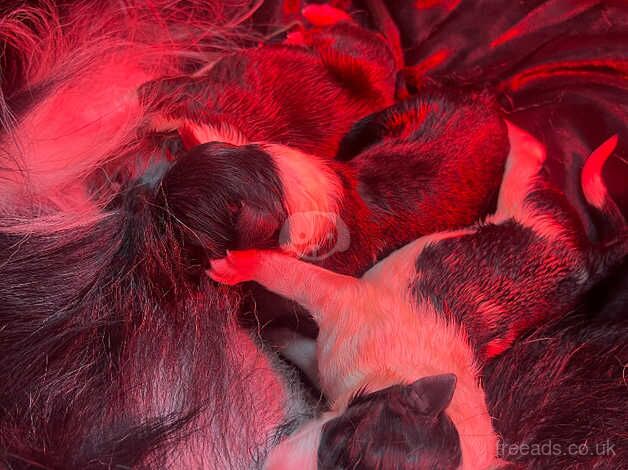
x,y
236,267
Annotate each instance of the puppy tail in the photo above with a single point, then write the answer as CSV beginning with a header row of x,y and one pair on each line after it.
x,y
595,190
613,245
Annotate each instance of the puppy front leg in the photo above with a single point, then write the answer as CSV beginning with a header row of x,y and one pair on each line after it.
x,y
320,291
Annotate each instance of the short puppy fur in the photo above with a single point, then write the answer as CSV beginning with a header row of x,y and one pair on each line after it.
x,y
394,333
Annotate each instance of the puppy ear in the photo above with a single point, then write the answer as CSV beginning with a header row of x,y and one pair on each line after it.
x,y
398,121
434,393
362,135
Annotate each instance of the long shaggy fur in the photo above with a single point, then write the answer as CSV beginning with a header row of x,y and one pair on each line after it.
x,y
116,351
112,350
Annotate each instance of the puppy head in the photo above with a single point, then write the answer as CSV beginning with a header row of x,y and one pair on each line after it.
x,y
403,426
225,197
242,195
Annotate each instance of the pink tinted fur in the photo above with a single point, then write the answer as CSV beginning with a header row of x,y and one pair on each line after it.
x,y
91,64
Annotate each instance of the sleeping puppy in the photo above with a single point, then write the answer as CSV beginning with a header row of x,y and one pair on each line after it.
x,y
254,135
398,348
303,95
434,161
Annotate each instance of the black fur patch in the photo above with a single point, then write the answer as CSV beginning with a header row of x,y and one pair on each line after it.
x,y
563,386
403,426
499,279
229,197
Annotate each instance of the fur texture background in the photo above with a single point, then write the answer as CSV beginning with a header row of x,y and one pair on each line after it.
x,y
115,352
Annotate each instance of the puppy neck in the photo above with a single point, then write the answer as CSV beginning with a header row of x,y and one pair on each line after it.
x,y
312,193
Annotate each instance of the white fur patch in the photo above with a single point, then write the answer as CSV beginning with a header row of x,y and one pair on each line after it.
x,y
217,133
523,167
77,127
299,451
200,133
298,349
398,268
373,335
524,162
312,193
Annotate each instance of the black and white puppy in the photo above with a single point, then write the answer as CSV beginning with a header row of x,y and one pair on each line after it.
x,y
434,161
399,348
261,127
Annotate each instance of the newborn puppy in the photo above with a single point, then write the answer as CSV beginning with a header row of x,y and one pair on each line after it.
x,y
304,96
435,163
390,341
